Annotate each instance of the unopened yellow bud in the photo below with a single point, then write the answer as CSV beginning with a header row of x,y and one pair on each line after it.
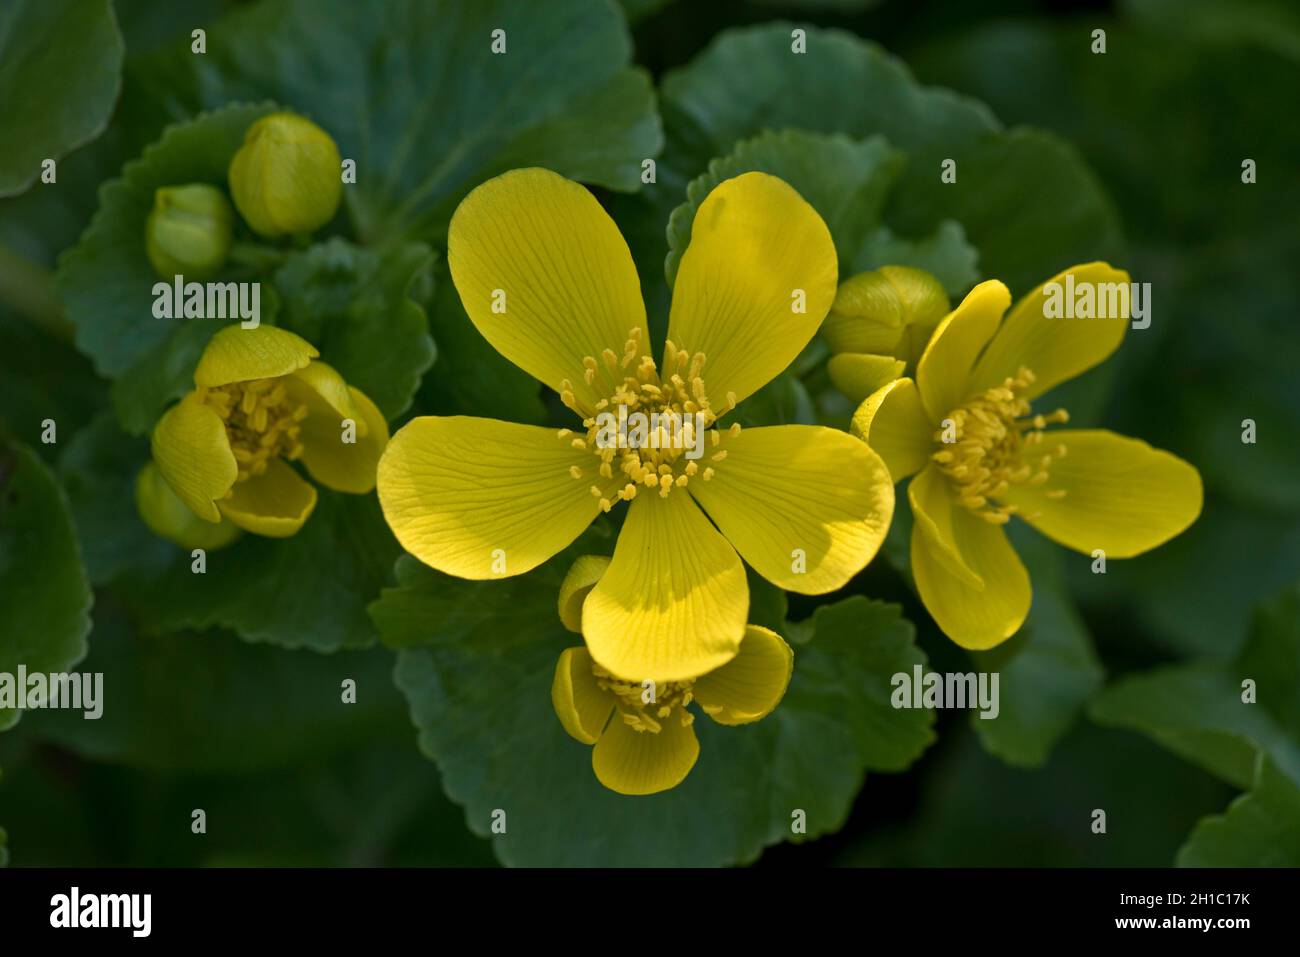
x,y
890,311
287,176
188,231
170,518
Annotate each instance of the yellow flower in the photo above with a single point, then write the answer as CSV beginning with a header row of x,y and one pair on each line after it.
x,y
261,400
642,730
965,429
878,327
546,278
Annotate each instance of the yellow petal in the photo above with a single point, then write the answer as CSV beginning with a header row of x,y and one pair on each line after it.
x,y
343,466
193,454
168,517
975,616
478,498
582,576
755,247
582,706
858,375
237,355
751,684
545,276
894,423
933,512
1121,495
1055,349
275,503
320,384
944,372
806,506
642,762
673,603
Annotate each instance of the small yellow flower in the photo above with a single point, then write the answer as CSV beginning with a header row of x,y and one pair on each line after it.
x,y
878,327
643,730
965,429
262,400
546,278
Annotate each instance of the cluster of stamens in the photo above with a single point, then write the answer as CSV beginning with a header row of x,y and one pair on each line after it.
x,y
670,699
261,421
992,442
675,398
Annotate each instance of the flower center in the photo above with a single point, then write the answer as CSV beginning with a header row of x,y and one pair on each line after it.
x,y
993,442
650,429
262,423
647,706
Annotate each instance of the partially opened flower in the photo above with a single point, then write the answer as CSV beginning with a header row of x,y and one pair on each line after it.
x,y
878,327
546,278
643,731
964,427
263,400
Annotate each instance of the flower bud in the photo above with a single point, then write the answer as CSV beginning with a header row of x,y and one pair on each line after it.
x,y
286,177
188,231
888,312
170,518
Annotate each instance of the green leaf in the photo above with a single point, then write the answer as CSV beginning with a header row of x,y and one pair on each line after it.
x,y
1197,710
1260,829
388,80
362,310
469,376
209,702
62,62
43,588
848,182
106,281
476,667
1025,200
1048,671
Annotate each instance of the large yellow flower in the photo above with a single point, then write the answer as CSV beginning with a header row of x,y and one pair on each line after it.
x,y
546,278
262,400
964,428
643,731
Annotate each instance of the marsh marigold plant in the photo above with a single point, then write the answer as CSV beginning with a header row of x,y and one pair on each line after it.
x,y
545,276
965,429
261,400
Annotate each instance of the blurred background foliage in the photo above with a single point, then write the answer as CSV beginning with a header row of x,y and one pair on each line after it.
x,y
1113,695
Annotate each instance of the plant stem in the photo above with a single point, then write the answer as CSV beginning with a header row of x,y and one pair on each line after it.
x,y
29,288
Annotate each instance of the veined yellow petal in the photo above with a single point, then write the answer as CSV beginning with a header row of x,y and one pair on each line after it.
x,y
933,513
975,616
758,254
858,375
545,276
343,466
751,684
1121,495
319,383
944,372
478,498
168,517
581,578
1057,349
237,355
639,762
275,503
673,603
582,706
192,451
806,506
894,423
